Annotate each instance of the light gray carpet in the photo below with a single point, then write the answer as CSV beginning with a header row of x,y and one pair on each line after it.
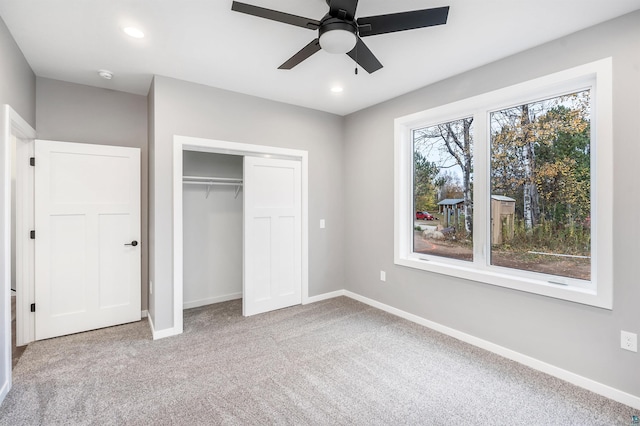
x,y
16,351
333,362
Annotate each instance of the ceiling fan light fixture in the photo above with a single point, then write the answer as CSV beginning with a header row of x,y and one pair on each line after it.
x,y
338,41
337,36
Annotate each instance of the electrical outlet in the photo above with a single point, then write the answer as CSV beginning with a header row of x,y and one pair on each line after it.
x,y
383,276
629,341
150,287
322,224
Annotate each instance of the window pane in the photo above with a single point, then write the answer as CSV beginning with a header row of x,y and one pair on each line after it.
x,y
541,186
442,189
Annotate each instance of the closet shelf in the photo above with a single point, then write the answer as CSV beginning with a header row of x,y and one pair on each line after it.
x,y
211,181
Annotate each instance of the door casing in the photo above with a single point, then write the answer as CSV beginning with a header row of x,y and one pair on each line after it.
x,y
25,247
11,126
187,143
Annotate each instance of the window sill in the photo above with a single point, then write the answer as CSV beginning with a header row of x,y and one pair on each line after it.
x,y
574,290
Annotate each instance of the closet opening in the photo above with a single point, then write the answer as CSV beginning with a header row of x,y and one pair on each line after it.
x,y
240,225
212,228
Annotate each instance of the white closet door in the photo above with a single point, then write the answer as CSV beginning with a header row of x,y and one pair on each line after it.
x,y
272,234
87,217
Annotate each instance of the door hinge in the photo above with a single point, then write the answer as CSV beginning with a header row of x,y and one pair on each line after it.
x,y
33,307
32,161
32,235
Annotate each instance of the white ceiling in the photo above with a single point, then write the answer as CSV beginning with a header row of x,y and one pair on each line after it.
x,y
203,41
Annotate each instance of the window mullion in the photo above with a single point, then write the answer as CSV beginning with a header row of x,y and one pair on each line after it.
x,y
481,214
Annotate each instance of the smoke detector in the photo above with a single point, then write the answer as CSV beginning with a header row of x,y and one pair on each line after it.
x,y
106,74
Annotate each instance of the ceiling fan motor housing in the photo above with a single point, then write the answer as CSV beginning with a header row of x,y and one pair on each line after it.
x,y
330,24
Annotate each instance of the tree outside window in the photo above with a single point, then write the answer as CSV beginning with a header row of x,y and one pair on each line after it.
x,y
443,185
540,158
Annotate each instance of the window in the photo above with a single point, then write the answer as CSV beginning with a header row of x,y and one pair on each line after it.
x,y
442,183
540,186
507,187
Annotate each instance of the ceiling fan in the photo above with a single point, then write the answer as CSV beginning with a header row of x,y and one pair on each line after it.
x,y
340,32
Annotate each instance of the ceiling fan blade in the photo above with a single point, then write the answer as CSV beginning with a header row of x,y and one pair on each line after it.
x,y
303,54
274,15
382,24
348,8
364,57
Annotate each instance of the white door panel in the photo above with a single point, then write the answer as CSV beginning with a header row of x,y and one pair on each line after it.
x,y
87,208
272,234
115,265
67,264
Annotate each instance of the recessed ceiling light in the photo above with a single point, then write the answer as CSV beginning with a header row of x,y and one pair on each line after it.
x,y
337,89
133,32
106,74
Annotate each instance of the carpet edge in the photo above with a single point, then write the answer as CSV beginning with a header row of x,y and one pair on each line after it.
x,y
560,373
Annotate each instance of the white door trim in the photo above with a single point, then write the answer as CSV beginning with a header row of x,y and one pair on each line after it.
x,y
186,143
25,247
10,125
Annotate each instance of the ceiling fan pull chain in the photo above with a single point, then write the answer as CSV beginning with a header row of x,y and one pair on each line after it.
x,y
356,69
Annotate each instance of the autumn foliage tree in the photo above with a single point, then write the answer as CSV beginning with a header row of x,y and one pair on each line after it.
x,y
540,156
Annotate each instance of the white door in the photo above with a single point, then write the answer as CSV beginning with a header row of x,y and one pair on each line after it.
x,y
272,234
87,234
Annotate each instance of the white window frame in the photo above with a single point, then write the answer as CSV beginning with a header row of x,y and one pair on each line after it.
x,y
595,76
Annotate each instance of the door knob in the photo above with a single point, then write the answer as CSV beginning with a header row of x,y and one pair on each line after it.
x,y
133,243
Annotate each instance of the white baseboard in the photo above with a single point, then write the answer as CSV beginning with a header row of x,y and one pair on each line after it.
x,y
144,314
211,300
161,334
583,382
323,296
552,370
6,386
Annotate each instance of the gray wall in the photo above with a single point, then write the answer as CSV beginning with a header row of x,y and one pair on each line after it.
x,y
17,80
188,109
76,113
578,338
212,230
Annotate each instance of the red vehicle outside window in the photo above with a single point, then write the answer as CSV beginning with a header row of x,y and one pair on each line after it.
x,y
424,216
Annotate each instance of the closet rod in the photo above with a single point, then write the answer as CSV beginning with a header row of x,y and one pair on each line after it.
x,y
213,183
210,179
